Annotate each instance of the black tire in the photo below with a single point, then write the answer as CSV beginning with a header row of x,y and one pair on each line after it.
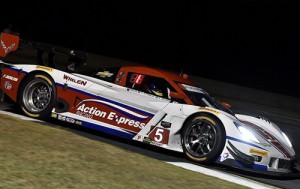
x,y
37,96
203,139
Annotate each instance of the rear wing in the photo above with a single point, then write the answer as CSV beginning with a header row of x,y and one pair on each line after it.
x,y
11,43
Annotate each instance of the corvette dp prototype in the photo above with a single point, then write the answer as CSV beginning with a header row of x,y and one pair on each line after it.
x,y
149,105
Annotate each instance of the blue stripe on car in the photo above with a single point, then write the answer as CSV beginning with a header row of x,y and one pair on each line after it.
x,y
245,142
107,130
17,70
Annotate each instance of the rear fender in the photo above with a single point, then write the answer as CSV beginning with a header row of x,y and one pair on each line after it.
x,y
11,79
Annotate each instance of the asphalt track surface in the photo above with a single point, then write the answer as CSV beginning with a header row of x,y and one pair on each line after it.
x,y
290,125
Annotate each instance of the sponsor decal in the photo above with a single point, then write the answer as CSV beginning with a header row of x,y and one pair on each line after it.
x,y
156,143
89,112
78,122
147,140
70,120
208,109
112,114
124,120
7,49
104,74
65,118
62,118
225,155
10,77
8,43
44,68
258,152
73,80
7,85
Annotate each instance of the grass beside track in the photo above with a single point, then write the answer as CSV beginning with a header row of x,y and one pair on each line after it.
x,y
33,155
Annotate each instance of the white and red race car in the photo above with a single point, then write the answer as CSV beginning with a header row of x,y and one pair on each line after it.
x,y
149,105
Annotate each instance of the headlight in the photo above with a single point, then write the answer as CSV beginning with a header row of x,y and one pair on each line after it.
x,y
287,139
247,134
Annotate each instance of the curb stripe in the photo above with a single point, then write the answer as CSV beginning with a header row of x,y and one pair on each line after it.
x,y
224,176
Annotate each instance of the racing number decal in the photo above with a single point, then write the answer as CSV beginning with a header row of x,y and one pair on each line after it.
x,y
160,135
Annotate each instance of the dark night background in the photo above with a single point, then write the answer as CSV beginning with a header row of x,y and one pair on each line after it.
x,y
250,43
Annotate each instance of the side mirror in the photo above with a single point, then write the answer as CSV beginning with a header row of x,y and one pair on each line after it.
x,y
176,95
227,105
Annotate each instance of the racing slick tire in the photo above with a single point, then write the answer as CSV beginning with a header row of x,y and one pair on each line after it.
x,y
37,96
203,139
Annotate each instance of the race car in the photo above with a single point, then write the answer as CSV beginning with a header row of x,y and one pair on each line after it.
x,y
145,104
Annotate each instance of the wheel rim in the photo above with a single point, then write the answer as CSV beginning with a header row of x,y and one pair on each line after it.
x,y
200,138
37,96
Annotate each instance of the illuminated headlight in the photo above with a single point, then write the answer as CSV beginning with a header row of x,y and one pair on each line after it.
x,y
287,139
247,134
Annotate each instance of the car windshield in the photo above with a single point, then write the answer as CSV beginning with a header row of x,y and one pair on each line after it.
x,y
201,98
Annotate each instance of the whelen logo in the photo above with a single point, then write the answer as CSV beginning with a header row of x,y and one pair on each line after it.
x,y
78,81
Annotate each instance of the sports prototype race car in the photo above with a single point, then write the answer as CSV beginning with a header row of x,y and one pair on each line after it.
x,y
149,105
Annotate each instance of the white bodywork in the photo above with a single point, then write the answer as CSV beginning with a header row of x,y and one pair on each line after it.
x,y
161,110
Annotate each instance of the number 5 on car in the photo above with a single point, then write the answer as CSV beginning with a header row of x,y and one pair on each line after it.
x,y
160,135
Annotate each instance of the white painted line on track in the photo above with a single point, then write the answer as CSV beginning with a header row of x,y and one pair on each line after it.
x,y
224,176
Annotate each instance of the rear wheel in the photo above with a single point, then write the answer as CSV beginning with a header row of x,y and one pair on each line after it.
x,y
203,139
37,96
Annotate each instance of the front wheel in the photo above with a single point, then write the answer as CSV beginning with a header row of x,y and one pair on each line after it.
x,y
37,96
203,139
